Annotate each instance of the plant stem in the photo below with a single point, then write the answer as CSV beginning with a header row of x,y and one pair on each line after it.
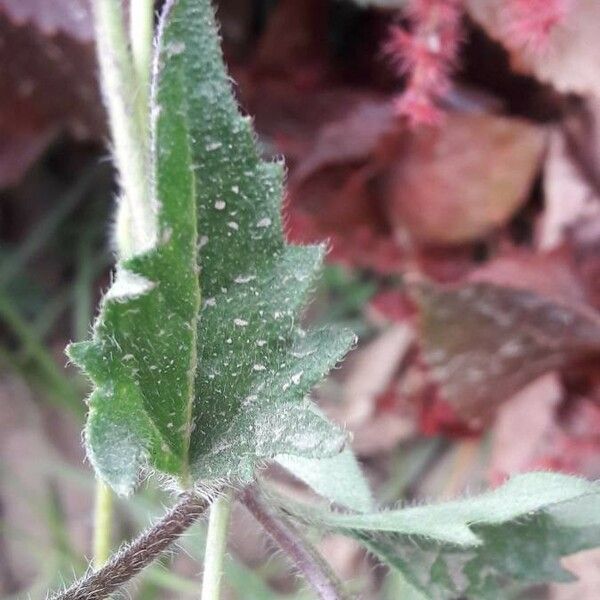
x,y
131,559
308,561
102,524
141,29
136,226
103,510
216,544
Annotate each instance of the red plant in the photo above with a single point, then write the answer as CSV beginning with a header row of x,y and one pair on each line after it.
x,y
426,54
528,23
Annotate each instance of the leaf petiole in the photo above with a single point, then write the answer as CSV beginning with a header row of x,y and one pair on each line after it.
x,y
302,554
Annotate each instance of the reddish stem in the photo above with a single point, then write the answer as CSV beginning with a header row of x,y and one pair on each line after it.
x,y
308,561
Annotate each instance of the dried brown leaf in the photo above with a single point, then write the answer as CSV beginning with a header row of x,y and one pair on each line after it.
x,y
362,183
568,197
522,424
512,322
369,373
372,369
457,183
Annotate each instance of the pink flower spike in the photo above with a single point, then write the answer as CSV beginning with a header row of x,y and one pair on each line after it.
x,y
426,54
529,23
418,110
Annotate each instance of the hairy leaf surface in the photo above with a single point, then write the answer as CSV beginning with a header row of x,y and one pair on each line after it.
x,y
207,390
142,357
337,478
475,546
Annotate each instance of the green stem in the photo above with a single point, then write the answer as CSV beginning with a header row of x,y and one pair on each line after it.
x,y
141,29
102,524
216,543
136,223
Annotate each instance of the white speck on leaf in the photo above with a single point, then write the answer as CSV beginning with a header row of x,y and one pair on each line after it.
x,y
175,48
166,235
244,278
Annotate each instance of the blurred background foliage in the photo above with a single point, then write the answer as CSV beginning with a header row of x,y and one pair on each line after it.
x,y
465,253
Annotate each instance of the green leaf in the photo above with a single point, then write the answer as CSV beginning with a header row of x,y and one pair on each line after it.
x,y
475,546
207,390
142,356
451,521
255,364
396,586
337,478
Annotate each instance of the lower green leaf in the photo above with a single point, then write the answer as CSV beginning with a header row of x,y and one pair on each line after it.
x,y
338,478
476,546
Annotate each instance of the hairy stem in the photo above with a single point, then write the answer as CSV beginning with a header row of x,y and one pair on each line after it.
x,y
103,512
136,227
216,543
131,559
308,561
141,29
